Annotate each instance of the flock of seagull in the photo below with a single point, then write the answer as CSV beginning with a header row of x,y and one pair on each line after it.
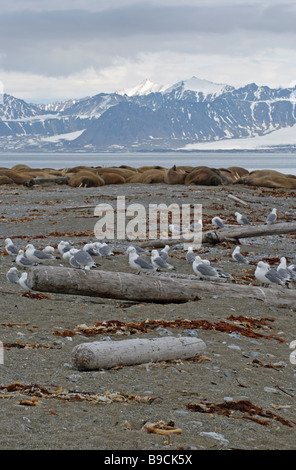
x,y
83,258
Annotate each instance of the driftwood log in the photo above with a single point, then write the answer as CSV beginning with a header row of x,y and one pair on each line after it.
x,y
37,181
234,232
107,354
148,288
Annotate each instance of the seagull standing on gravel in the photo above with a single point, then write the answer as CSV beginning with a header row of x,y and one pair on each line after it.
x,y
13,275
190,256
237,256
218,222
241,219
103,249
271,218
37,256
22,260
283,271
267,276
136,262
80,258
63,247
10,247
205,271
23,281
158,262
164,253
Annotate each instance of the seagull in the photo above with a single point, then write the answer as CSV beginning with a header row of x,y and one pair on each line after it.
x,y
158,262
81,259
271,218
10,247
23,281
190,256
241,219
283,271
164,253
64,247
292,268
177,230
13,275
139,249
196,226
237,256
90,249
37,256
22,260
218,222
48,249
205,271
267,276
103,249
138,263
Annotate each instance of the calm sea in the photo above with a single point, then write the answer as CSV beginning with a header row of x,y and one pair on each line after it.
x,y
283,162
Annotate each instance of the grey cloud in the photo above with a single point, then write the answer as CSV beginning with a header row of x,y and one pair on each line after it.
x,y
64,41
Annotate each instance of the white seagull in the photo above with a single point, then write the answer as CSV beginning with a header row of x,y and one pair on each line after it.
x,y
37,256
103,249
218,222
136,262
267,276
237,256
241,219
190,256
81,259
23,281
271,218
63,247
13,275
10,247
283,271
164,253
158,262
22,260
205,271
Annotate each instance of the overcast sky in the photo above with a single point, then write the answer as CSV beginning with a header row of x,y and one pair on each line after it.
x,y
52,51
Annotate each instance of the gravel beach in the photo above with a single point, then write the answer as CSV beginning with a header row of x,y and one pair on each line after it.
x,y
240,394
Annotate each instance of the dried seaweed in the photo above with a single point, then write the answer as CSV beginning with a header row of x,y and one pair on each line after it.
x,y
244,408
38,391
120,327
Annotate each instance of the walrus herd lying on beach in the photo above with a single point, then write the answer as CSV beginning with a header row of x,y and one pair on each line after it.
x,y
85,176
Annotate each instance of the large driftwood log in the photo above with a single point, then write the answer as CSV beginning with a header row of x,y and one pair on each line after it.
x,y
107,354
109,284
148,288
54,180
247,231
234,232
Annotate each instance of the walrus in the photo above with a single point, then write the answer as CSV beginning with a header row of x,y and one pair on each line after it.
x,y
86,179
174,176
5,180
16,177
124,172
203,175
148,177
237,170
269,179
112,178
142,169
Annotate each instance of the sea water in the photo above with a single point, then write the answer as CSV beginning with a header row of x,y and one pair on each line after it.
x,y
282,162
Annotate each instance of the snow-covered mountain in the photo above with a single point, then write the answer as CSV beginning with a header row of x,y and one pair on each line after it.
x,y
190,114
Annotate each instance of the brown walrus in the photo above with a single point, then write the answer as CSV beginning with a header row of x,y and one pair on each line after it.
x,y
112,178
203,175
174,175
86,179
269,179
16,177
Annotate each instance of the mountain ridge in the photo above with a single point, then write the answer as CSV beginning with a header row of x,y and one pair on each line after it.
x,y
147,117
